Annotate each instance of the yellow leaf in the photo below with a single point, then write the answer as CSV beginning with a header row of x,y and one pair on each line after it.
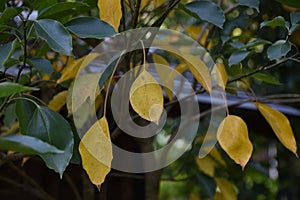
x,y
165,77
200,71
58,101
146,97
233,138
221,75
110,12
86,88
71,70
207,165
225,190
280,125
96,151
181,67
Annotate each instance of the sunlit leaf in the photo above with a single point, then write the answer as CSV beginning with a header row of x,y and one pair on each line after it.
x,y
146,97
207,165
58,101
233,138
96,151
280,125
111,12
221,75
225,190
277,21
200,71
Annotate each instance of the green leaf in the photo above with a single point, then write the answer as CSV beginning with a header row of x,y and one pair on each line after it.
x,y
108,70
41,5
207,11
49,126
291,3
255,43
277,21
60,10
9,88
238,57
295,19
250,3
9,114
90,27
8,14
5,52
55,34
26,144
266,77
43,65
279,49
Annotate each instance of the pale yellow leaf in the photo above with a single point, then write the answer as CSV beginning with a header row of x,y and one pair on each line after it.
x,y
181,67
58,101
280,125
225,190
199,70
207,165
221,75
110,12
146,97
165,76
96,151
71,70
233,138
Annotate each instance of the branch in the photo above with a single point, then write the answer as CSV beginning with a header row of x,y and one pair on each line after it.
x,y
136,13
11,158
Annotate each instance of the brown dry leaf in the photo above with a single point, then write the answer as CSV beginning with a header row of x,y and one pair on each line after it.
x,y
233,138
280,125
146,97
96,151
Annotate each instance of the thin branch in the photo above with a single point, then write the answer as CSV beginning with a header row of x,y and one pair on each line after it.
x,y
11,158
136,13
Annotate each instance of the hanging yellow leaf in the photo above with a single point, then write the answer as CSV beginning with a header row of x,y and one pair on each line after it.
x,y
280,125
199,70
233,138
181,67
96,151
146,97
71,70
221,75
225,190
58,101
110,12
165,77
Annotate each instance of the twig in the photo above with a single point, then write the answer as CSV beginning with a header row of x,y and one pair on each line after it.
x,y
136,13
11,158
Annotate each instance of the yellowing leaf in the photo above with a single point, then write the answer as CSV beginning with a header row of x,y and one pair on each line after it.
x,y
146,97
181,67
165,76
280,125
110,12
207,165
233,138
96,151
58,101
71,70
225,190
200,71
221,75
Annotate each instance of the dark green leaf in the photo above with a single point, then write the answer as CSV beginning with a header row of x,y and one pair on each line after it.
x,y
291,3
266,77
9,88
26,144
52,128
108,70
5,52
277,21
24,112
55,34
8,14
41,5
279,49
43,65
9,114
63,9
90,27
238,57
207,11
250,3
255,43
207,183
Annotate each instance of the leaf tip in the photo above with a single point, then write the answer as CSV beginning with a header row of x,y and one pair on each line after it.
x,y
99,187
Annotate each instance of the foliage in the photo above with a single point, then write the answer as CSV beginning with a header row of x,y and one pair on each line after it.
x,y
44,45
